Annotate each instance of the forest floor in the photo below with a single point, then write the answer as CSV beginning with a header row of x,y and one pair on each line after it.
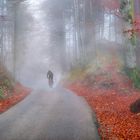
x,y
110,94
13,96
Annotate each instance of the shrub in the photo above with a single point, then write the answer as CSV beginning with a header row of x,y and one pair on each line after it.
x,y
1,93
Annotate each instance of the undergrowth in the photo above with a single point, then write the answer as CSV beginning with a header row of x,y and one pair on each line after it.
x,y
134,75
1,93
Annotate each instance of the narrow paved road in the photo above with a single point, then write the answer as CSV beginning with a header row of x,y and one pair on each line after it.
x,y
55,115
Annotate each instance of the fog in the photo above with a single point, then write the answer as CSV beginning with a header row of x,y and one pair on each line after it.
x,y
39,42
57,36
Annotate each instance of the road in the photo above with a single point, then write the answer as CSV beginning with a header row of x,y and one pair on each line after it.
x,y
56,114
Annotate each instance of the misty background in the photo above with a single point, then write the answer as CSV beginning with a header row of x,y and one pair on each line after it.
x,y
59,36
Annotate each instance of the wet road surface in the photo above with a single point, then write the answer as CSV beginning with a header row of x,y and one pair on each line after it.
x,y
56,114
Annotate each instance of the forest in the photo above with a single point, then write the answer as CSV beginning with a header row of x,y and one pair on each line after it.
x,y
91,46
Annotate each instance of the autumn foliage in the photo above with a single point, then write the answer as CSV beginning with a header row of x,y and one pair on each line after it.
x,y
110,94
17,94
